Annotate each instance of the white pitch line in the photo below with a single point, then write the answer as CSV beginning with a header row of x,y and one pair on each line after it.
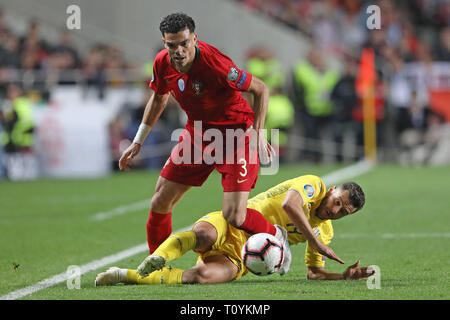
x,y
339,175
349,172
332,178
103,215
93,265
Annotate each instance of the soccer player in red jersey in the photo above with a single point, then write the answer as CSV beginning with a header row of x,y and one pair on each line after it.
x,y
207,85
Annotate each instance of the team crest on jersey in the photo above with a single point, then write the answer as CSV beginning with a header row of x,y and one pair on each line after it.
x,y
233,75
197,87
181,85
309,189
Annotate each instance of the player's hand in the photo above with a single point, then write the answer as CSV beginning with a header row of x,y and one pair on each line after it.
x,y
265,150
328,252
355,273
128,155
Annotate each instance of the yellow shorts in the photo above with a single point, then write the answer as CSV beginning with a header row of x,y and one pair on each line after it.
x,y
229,241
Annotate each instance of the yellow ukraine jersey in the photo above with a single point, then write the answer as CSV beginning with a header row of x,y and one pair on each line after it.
x,y
312,190
230,240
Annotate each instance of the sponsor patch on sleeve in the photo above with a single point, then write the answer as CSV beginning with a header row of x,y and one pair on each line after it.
x,y
233,75
242,79
309,190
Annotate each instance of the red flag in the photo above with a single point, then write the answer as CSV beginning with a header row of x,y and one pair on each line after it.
x,y
366,73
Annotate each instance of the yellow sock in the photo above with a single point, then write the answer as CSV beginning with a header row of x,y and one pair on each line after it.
x,y
166,275
177,245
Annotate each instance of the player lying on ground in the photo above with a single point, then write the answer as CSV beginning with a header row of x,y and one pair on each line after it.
x,y
302,205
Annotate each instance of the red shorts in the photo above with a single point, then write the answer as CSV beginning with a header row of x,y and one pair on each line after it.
x,y
193,159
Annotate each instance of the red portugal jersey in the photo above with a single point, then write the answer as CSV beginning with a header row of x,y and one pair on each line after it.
x,y
209,91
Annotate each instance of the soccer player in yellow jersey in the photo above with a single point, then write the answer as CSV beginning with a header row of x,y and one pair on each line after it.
x,y
302,205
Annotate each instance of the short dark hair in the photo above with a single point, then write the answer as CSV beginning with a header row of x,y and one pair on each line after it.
x,y
176,22
355,194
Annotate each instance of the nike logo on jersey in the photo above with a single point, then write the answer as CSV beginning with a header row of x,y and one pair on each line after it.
x,y
240,181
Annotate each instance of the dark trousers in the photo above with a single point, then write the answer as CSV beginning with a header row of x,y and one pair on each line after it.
x,y
315,128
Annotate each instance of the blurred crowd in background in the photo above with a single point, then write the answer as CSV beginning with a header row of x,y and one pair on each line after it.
x,y
327,102
317,108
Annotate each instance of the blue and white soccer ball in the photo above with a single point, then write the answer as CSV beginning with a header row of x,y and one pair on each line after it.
x,y
262,254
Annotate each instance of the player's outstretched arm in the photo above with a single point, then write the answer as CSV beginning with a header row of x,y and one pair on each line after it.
x,y
260,104
292,205
354,272
153,110
260,101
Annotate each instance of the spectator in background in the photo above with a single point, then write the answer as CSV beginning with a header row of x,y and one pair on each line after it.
x,y
2,160
443,48
280,116
324,31
399,92
33,45
423,55
263,64
350,22
9,51
9,59
114,65
63,61
408,42
391,22
345,99
66,45
18,135
3,27
422,135
93,70
156,140
312,86
17,121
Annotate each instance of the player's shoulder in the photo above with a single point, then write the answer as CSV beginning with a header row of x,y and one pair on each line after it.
x,y
207,49
210,54
311,179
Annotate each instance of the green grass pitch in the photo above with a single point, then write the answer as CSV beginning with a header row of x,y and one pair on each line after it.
x,y
404,229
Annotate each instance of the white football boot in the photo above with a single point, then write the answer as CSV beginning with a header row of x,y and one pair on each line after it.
x,y
150,264
282,235
110,277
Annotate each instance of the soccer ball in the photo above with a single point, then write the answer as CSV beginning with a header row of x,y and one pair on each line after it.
x,y
262,254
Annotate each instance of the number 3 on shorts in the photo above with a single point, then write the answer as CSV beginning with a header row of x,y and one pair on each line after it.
x,y
244,164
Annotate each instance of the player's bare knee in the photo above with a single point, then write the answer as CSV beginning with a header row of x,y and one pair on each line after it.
x,y
206,236
201,276
195,275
